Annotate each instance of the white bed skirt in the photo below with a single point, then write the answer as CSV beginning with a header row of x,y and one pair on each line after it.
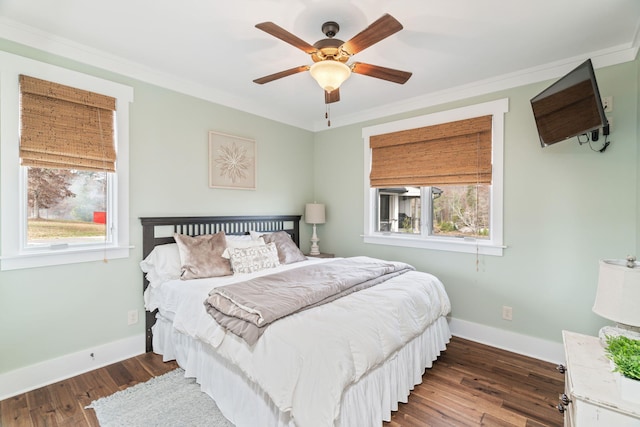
x,y
368,402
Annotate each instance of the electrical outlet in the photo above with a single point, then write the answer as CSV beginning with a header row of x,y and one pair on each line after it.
x,y
607,104
132,317
507,312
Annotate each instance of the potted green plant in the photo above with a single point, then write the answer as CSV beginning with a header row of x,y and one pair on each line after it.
x,y
625,355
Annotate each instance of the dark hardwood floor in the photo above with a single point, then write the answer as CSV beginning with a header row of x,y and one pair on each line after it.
x,y
62,403
469,385
473,384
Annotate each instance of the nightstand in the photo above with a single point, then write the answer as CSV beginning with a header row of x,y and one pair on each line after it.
x,y
321,255
592,396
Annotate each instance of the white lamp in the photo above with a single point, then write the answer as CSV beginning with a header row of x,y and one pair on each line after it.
x,y
314,214
618,297
330,74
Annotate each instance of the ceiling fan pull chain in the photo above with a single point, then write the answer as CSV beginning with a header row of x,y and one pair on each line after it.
x,y
327,114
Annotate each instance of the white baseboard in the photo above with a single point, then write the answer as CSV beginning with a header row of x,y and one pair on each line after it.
x,y
538,348
50,371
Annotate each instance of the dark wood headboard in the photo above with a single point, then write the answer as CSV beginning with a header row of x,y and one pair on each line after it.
x,y
159,231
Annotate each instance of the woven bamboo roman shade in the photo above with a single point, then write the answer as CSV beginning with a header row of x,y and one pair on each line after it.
x,y
449,153
65,128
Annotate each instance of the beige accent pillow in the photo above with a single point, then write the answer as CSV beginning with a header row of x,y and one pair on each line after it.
x,y
288,252
254,258
233,244
201,256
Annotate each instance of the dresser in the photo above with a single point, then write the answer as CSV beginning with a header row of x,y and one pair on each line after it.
x,y
591,394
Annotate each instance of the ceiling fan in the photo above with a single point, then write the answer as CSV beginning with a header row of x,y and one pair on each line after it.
x,y
330,55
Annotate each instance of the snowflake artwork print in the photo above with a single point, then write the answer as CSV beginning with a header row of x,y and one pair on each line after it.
x,y
232,162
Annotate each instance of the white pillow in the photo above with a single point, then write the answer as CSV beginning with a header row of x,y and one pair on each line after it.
x,y
254,258
162,264
255,235
232,244
237,237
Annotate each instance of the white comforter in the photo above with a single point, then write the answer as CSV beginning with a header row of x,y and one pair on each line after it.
x,y
305,361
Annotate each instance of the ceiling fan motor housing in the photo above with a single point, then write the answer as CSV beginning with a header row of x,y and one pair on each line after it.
x,y
329,48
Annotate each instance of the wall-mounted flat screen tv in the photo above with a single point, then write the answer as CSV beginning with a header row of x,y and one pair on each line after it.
x,y
570,107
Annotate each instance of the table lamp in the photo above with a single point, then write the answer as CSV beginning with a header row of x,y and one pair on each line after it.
x,y
314,214
618,298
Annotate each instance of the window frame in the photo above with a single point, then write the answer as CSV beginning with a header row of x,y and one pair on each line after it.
x,y
492,246
14,253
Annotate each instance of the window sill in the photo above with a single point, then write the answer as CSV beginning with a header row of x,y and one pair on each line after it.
x,y
458,245
48,257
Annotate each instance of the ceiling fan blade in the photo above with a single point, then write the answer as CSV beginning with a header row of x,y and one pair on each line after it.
x,y
380,29
331,97
286,36
396,76
281,74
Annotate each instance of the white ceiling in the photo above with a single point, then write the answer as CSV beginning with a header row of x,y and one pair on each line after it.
x,y
211,49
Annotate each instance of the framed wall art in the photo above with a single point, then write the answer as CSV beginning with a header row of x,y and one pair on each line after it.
x,y
232,162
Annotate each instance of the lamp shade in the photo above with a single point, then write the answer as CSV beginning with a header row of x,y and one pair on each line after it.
x,y
330,74
618,294
314,213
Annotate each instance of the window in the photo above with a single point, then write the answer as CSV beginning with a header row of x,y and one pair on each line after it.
x,y
67,147
436,181
60,134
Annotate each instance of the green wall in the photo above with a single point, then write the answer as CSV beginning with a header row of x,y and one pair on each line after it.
x,y
54,311
565,207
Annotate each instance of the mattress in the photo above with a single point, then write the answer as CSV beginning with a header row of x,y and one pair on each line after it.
x,y
344,363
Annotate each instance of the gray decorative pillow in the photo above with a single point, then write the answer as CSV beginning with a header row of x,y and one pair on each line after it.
x,y
201,256
288,252
254,258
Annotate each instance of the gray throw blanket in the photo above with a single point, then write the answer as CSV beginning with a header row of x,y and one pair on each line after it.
x,y
247,308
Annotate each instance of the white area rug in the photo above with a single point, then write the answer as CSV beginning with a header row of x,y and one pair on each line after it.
x,y
168,400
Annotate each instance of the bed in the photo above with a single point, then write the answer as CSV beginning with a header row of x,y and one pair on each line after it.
x,y
345,363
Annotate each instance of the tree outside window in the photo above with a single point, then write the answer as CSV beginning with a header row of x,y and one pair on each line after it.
x,y
455,210
66,206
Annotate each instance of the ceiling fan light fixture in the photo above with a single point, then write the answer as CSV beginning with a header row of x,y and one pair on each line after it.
x,y
330,74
